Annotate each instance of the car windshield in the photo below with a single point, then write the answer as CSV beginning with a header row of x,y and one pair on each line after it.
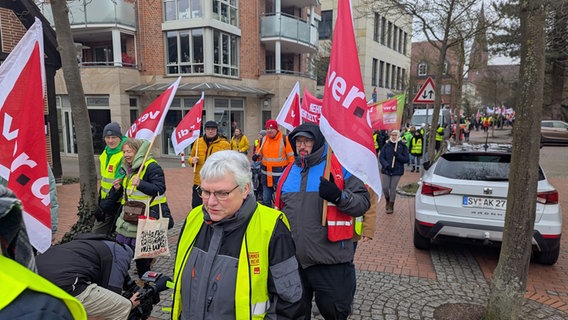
x,y
477,167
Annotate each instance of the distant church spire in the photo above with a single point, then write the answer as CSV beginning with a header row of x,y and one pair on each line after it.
x,y
479,56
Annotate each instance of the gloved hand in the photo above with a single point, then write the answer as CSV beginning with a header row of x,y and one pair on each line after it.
x,y
329,191
255,157
99,214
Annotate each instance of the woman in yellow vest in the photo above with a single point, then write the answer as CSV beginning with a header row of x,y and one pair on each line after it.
x,y
144,182
235,258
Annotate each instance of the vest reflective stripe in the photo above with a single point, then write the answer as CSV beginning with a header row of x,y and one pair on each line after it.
x,y
340,223
135,194
251,291
15,278
108,172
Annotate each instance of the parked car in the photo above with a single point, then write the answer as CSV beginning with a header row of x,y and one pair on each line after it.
x,y
463,195
553,132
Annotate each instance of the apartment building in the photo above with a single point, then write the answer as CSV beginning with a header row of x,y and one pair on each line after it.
x,y
383,38
244,55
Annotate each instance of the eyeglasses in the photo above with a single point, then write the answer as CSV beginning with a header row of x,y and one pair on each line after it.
x,y
219,195
307,142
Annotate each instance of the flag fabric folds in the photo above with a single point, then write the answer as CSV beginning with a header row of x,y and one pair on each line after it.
x,y
387,115
311,108
23,154
289,116
344,120
150,122
189,128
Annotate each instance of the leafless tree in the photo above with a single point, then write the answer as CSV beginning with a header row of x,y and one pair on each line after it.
x,y
81,122
509,281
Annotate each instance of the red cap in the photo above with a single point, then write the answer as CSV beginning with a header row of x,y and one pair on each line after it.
x,y
271,124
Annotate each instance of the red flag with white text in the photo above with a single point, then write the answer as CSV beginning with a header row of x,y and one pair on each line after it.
x,y
387,115
289,116
23,155
311,108
188,129
344,120
149,124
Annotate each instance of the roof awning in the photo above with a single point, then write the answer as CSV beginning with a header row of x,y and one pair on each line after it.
x,y
207,87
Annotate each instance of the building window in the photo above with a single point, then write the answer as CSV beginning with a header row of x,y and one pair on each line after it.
x,y
422,69
374,73
226,11
326,25
376,25
393,77
398,79
400,39
133,102
381,72
182,9
387,75
383,30
404,44
389,35
229,114
403,78
184,51
225,54
446,89
394,38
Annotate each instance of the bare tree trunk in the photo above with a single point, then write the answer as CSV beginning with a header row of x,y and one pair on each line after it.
x,y
509,281
81,122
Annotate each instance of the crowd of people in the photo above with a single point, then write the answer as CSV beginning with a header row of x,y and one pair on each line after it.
x,y
277,255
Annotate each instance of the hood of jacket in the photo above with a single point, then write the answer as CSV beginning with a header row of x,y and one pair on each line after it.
x,y
318,150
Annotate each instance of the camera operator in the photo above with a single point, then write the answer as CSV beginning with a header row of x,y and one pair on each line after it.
x,y
93,269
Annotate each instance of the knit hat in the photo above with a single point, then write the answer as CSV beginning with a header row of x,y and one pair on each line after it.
x,y
271,124
211,124
112,130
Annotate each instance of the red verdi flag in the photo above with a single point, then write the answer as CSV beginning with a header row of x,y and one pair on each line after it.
x,y
311,108
387,115
344,120
188,129
151,121
289,116
23,156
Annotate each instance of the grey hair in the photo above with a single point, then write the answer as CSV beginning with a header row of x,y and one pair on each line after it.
x,y
220,163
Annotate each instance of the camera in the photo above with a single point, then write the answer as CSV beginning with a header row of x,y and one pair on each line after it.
x,y
148,294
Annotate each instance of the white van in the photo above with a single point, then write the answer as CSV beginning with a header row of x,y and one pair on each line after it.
x,y
424,116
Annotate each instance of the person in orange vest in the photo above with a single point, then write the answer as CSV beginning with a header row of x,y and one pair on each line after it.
x,y
276,153
324,252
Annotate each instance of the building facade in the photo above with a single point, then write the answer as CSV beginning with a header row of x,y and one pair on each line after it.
x,y
244,56
383,40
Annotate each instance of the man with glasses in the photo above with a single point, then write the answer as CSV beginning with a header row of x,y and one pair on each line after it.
x,y
206,145
235,257
276,153
324,248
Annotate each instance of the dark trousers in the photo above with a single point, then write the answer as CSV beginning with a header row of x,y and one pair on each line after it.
x,y
332,285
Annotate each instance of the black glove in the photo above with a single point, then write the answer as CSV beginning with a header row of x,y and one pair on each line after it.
x,y
329,191
99,214
255,157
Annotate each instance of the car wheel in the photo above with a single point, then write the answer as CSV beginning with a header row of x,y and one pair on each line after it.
x,y
547,258
421,242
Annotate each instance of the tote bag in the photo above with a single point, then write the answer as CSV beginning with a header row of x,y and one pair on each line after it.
x,y
152,236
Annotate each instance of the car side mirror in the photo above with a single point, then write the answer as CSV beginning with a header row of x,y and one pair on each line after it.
x,y
426,165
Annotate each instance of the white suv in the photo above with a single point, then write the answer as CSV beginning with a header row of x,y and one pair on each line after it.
x,y
464,195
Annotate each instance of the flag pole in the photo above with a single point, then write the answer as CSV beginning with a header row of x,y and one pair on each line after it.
x,y
196,149
326,177
394,154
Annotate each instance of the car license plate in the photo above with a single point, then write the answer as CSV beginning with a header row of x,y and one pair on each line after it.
x,y
484,203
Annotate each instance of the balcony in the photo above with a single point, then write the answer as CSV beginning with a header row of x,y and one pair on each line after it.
x,y
294,34
99,12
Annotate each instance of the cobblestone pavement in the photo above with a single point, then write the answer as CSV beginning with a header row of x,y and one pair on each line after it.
x,y
394,280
